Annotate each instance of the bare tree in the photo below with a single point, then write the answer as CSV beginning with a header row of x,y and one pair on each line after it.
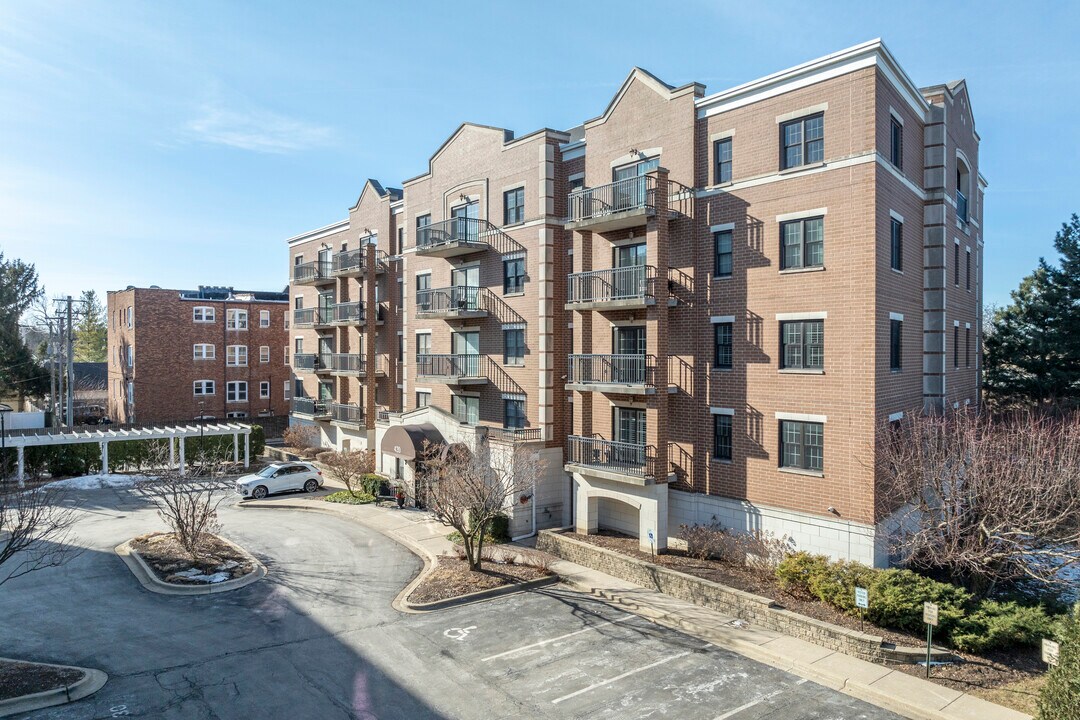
x,y
988,500
467,490
189,503
304,438
349,467
35,530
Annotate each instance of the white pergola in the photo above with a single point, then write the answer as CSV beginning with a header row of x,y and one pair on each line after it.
x,y
103,437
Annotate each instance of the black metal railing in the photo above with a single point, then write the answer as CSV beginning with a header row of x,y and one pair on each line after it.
x,y
622,195
460,365
457,298
312,361
304,317
351,312
611,369
312,271
308,406
625,283
349,261
514,434
348,362
624,458
454,230
961,206
343,412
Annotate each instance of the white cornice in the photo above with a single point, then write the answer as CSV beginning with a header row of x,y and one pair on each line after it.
x,y
319,232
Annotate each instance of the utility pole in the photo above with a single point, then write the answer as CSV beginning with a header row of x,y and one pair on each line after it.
x,y
70,369
58,358
52,375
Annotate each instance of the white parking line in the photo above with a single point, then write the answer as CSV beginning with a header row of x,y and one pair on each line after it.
x,y
749,705
628,673
556,639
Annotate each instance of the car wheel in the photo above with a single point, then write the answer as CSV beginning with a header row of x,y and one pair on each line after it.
x,y
259,493
311,485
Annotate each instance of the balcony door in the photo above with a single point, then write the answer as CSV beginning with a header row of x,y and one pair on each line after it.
x,y
326,392
628,192
325,256
326,351
628,340
466,282
466,225
326,308
467,348
630,430
629,280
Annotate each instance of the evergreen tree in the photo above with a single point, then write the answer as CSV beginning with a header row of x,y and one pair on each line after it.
x,y
91,333
20,372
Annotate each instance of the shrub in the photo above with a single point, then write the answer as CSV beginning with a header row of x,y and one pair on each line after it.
x,y
301,437
348,498
498,528
703,541
897,598
1060,696
996,625
257,440
372,483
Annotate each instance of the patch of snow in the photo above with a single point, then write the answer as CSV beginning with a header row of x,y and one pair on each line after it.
x,y
194,574
228,565
98,482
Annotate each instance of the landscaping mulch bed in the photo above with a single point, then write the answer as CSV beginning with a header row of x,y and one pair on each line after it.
x,y
452,578
1002,677
22,678
166,558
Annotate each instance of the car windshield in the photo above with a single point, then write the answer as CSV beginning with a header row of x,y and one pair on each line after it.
x,y
268,471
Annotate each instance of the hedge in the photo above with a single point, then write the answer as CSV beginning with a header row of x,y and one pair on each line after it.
x,y
1060,696
896,602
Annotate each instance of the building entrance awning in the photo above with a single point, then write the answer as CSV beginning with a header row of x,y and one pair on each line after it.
x,y
407,441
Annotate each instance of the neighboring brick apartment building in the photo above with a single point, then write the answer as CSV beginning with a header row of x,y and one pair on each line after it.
x,y
181,354
701,307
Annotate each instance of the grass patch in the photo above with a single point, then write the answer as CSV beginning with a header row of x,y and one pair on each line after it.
x,y
347,498
455,537
1022,695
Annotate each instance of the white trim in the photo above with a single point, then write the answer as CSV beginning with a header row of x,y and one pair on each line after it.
x,y
801,417
636,157
574,152
896,116
721,411
425,331
967,401
967,326
896,216
815,315
802,214
723,135
632,240
796,114
318,233
715,319
423,390
896,416
956,323
722,227
956,241
896,316
575,176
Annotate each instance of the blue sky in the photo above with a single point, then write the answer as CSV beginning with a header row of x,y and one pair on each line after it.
x,y
179,144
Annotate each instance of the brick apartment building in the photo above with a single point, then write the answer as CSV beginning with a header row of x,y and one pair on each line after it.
x,y
214,352
698,307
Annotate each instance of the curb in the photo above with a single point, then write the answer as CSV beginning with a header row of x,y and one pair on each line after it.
x,y
149,580
92,681
481,595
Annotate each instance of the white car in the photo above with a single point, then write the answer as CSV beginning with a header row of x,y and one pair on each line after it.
x,y
280,477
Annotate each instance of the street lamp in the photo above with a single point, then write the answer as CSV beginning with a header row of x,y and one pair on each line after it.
x,y
4,410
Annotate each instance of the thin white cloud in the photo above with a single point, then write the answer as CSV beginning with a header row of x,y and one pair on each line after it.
x,y
256,130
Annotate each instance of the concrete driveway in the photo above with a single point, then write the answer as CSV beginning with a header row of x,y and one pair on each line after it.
x,y
318,639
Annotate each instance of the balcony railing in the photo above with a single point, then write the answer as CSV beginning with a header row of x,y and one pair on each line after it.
x,y
615,370
309,317
455,231
452,368
622,458
455,300
513,435
354,262
314,271
355,363
312,362
961,206
621,196
309,406
624,285
348,313
341,412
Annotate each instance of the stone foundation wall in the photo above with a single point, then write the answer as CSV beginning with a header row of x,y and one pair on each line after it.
x,y
755,609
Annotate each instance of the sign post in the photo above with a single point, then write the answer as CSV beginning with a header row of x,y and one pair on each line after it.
x,y
930,617
1050,652
652,541
862,601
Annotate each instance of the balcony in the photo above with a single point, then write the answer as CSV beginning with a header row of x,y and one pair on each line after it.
x,y
459,302
621,204
310,407
351,313
453,237
961,206
622,461
460,369
343,414
614,288
627,374
312,362
313,317
512,435
353,263
355,365
315,272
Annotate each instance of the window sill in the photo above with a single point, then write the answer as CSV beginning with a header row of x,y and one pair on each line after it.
x,y
896,371
721,369
721,186
800,471
801,371
796,271
515,294
721,461
898,272
721,277
800,168
514,365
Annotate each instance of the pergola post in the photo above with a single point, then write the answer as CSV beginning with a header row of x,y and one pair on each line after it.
x,y
104,457
235,448
21,468
247,450
183,466
172,453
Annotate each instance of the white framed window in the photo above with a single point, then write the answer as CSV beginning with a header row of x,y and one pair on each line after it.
x,y
236,320
131,393
264,318
264,390
286,354
236,414
236,355
264,353
130,356
201,314
130,316
236,391
204,351
204,387
287,392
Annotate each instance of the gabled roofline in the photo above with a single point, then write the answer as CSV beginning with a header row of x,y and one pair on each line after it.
x,y
317,233
384,193
952,89
508,141
646,77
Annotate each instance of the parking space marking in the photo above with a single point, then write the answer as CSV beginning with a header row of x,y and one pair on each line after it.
x,y
626,674
556,639
747,706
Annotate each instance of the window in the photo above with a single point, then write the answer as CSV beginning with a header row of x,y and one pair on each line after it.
x,y
803,344
803,243
264,353
204,387
204,351
264,389
722,245
896,344
803,141
236,391
897,244
130,316
577,183
722,153
202,314
236,355
286,391
896,144
967,346
236,414
465,409
801,445
513,346
422,232
130,356
423,343
264,318
131,393
400,241
722,345
956,264
956,346
423,398
298,345
513,276
236,320
513,413
286,355
514,206
967,271
298,302
721,437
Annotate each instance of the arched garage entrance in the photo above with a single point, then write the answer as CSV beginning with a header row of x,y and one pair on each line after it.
x,y
638,510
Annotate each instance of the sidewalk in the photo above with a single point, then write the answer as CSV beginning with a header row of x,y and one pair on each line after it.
x,y
878,684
